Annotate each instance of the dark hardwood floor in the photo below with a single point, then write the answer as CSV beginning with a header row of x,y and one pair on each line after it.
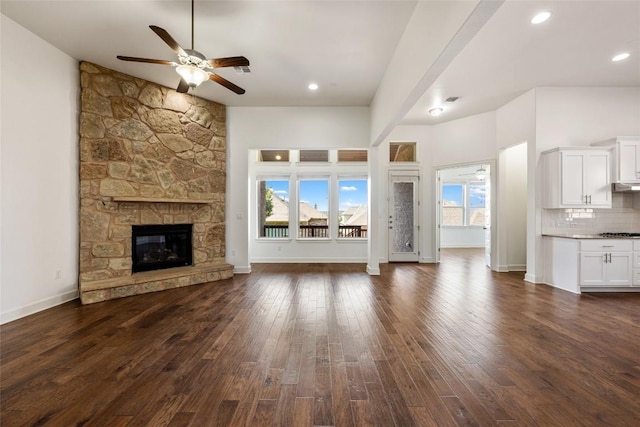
x,y
326,344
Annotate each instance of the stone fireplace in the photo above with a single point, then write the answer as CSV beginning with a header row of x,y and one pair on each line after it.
x,y
149,158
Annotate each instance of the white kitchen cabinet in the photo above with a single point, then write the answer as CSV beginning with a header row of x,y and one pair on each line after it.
x,y
636,263
625,158
606,262
592,265
576,177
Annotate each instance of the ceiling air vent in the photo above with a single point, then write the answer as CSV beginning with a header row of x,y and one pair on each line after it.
x,y
452,99
244,69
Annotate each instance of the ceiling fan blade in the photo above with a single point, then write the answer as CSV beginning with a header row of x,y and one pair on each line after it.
x,y
183,87
232,61
226,83
151,61
164,35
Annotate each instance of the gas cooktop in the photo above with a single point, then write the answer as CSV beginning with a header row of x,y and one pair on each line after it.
x,y
634,235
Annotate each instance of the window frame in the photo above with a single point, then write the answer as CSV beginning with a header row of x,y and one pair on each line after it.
x,y
466,202
313,177
351,177
258,180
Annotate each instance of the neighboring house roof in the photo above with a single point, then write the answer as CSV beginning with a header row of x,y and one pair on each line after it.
x,y
308,212
281,211
355,215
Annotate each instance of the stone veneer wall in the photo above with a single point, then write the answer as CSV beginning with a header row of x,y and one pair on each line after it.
x,y
148,155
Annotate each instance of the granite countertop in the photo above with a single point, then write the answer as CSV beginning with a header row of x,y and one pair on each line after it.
x,y
587,236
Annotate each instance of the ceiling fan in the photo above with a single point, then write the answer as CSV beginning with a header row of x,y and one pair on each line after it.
x,y
480,174
192,66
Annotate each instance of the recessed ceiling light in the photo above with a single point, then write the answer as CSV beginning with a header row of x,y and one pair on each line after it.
x,y
540,17
436,111
313,86
621,56
278,157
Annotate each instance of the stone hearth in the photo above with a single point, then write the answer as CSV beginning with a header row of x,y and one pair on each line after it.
x,y
148,155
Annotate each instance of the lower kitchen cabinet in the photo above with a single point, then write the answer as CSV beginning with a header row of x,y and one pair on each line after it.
x,y
592,265
606,263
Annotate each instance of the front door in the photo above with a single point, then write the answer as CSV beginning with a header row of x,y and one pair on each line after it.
x,y
403,217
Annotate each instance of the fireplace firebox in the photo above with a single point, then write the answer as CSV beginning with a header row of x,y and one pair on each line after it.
x,y
156,247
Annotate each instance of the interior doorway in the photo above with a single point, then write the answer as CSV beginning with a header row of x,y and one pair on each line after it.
x,y
463,217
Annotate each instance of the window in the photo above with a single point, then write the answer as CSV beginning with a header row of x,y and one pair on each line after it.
x,y
453,204
463,204
273,208
353,208
314,156
402,152
477,202
309,195
274,155
313,208
352,155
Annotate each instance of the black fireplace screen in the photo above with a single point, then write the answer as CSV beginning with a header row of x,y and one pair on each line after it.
x,y
155,247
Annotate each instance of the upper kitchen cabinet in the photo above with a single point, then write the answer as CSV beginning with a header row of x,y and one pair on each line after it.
x,y
625,152
576,177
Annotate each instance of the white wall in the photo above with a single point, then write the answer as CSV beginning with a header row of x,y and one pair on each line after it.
x,y
468,140
461,237
293,128
516,124
39,174
515,216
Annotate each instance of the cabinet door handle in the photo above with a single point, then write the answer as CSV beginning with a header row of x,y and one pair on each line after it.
x,y
609,257
607,246
589,198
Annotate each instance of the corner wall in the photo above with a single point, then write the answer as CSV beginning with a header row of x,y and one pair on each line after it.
x,y
39,174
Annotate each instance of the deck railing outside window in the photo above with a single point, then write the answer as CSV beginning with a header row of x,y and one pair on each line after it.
x,y
344,231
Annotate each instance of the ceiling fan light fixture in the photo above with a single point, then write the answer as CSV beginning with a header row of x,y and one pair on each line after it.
x,y
192,74
481,173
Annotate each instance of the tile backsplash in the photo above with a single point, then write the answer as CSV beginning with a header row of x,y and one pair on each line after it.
x,y
622,217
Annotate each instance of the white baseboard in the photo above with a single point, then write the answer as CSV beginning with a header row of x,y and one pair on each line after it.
x,y
242,270
532,278
37,306
427,260
462,246
518,267
502,269
309,260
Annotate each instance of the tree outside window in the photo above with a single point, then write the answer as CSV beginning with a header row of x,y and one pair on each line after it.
x,y
273,208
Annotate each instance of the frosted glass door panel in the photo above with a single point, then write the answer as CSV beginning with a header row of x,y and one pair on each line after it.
x,y
403,217
403,214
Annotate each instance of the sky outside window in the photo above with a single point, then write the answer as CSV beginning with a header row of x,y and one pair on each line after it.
x,y
315,193
352,193
280,189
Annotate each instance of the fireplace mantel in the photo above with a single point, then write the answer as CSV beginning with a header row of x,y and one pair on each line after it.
x,y
160,200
